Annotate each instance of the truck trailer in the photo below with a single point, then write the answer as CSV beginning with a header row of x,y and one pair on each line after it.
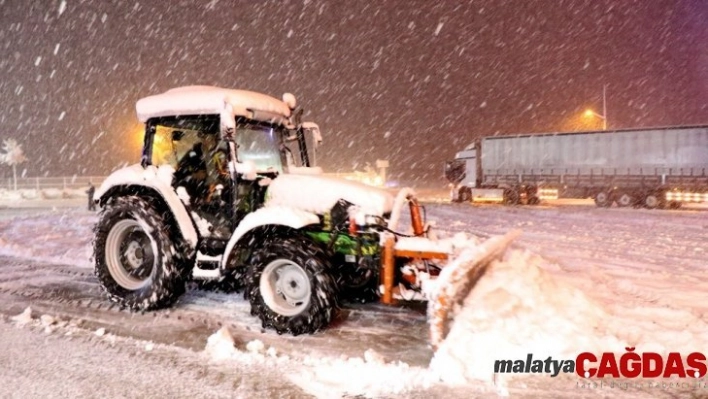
x,y
653,167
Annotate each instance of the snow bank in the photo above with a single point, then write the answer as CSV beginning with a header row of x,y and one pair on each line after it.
x,y
23,318
370,376
70,193
30,194
52,236
518,308
52,193
10,195
323,376
222,346
46,193
515,309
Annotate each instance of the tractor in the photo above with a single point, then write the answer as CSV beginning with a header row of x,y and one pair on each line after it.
x,y
226,192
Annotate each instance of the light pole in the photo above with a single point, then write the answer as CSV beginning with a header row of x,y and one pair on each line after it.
x,y
590,112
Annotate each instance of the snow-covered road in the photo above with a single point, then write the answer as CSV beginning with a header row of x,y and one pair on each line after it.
x,y
588,278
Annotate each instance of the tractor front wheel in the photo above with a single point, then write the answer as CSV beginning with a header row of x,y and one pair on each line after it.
x,y
290,286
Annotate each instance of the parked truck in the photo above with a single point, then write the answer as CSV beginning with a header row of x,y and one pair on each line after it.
x,y
653,168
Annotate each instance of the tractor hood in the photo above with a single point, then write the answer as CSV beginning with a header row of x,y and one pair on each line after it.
x,y
318,194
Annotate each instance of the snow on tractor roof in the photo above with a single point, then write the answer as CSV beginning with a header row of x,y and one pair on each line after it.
x,y
205,100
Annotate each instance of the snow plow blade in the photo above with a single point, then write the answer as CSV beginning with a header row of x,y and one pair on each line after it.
x,y
457,279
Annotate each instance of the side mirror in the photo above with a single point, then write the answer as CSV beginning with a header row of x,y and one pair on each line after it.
x,y
314,129
177,135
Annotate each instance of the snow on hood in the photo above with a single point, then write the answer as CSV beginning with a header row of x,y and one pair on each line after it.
x,y
319,194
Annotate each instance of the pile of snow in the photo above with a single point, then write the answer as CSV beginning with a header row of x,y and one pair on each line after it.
x,y
518,308
370,376
10,195
222,346
515,309
30,194
70,193
23,318
323,376
52,193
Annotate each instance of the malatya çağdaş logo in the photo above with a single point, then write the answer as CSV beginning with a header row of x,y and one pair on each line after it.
x,y
608,364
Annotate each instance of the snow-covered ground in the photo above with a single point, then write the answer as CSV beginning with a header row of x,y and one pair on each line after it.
x,y
579,279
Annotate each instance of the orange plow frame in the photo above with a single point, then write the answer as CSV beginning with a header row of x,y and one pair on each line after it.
x,y
454,284
390,254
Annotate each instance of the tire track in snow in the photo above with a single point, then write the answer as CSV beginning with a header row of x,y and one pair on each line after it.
x,y
396,333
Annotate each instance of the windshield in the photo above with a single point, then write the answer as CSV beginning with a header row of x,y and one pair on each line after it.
x,y
260,144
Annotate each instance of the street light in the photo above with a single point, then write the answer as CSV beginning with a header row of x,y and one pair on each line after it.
x,y
590,113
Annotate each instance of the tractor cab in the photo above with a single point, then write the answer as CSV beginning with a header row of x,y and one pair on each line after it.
x,y
223,161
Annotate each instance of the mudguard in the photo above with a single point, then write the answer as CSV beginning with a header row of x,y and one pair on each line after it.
x,y
269,216
158,179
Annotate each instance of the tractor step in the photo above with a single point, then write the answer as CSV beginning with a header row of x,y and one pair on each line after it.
x,y
207,267
212,246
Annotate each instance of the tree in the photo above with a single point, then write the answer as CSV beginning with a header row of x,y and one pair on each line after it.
x,y
13,156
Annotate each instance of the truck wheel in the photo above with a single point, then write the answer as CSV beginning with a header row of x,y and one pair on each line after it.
x,y
137,262
602,199
465,194
653,201
625,200
290,286
511,197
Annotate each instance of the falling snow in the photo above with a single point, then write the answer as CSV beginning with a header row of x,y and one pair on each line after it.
x,y
438,29
359,70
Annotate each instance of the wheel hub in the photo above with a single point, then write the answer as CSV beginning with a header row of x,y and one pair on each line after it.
x,y
285,287
134,254
651,201
625,199
130,255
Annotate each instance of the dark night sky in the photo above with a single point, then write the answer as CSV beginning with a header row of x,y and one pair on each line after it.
x,y
408,81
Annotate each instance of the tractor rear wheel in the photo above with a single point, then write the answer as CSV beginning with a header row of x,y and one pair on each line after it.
x,y
137,262
290,286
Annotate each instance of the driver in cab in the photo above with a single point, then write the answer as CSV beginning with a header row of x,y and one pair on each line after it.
x,y
203,169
